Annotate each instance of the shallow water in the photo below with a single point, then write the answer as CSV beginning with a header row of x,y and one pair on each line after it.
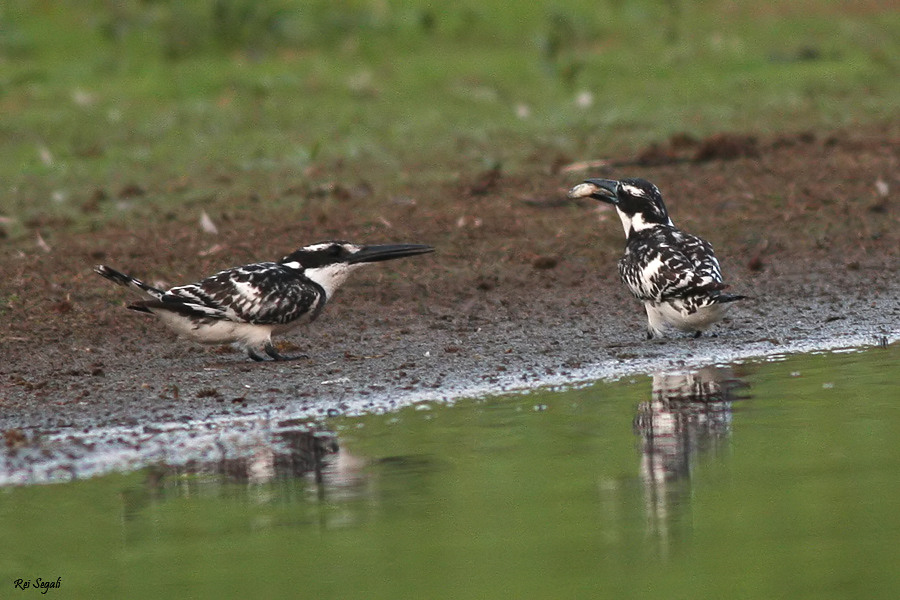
x,y
778,479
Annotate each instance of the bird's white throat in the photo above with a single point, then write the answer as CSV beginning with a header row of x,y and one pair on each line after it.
x,y
636,222
330,277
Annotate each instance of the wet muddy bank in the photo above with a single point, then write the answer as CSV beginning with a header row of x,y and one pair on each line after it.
x,y
173,403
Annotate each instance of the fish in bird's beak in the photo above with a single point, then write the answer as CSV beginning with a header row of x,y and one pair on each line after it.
x,y
603,190
378,253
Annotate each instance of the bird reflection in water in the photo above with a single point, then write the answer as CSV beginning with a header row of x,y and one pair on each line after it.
x,y
293,450
283,451
275,463
688,415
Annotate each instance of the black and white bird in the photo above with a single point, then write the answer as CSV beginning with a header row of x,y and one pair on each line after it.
x,y
675,274
246,305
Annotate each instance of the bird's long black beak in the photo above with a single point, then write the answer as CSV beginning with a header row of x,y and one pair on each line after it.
x,y
603,190
388,252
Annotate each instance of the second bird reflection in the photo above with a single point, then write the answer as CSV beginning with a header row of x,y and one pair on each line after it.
x,y
689,413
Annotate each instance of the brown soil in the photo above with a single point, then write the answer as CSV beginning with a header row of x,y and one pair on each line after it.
x,y
523,283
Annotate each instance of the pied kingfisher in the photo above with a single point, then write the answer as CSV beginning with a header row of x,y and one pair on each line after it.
x,y
245,305
675,274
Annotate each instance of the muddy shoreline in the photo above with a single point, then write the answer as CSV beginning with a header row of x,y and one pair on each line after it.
x,y
408,359
227,411
521,292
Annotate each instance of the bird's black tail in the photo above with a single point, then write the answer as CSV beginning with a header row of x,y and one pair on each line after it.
x,y
127,281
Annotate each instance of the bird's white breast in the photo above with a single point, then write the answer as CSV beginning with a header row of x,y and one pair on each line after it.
x,y
662,315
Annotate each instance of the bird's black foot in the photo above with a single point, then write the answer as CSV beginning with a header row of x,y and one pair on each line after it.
x,y
252,353
697,334
276,355
272,353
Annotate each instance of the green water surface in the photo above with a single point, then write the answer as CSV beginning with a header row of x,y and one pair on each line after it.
x,y
762,480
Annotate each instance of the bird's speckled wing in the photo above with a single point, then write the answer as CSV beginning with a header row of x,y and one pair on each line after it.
x,y
663,263
263,294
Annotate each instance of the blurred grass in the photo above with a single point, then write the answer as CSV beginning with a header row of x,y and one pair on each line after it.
x,y
156,103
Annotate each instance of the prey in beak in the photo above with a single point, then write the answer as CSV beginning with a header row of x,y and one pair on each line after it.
x,y
603,190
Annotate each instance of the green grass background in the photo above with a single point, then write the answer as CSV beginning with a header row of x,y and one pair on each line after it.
x,y
174,97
